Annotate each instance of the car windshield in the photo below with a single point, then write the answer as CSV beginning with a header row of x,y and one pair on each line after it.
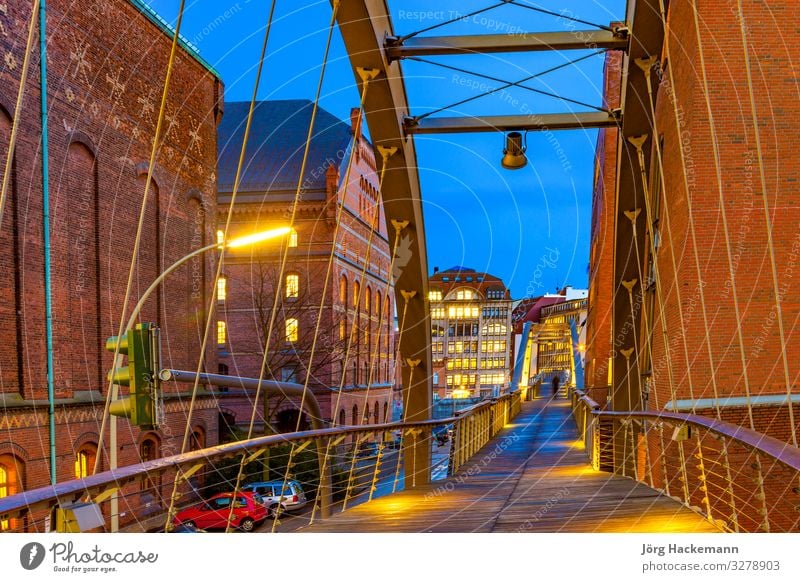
x,y
221,502
258,498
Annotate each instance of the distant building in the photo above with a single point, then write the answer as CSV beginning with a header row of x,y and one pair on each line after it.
x,y
345,312
471,333
549,346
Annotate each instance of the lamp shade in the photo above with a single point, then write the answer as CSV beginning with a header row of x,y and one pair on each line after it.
x,y
514,152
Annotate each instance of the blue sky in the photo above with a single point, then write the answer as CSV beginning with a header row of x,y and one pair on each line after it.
x,y
531,226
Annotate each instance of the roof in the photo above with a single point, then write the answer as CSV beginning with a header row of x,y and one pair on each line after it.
x,y
168,30
459,268
535,312
276,145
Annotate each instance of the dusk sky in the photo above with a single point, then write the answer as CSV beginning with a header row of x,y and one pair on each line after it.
x,y
530,227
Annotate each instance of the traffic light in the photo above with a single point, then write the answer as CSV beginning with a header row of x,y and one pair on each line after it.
x,y
142,346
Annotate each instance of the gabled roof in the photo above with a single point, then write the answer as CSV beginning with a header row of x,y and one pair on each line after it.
x,y
276,145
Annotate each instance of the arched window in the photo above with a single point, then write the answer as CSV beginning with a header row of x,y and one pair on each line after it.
x,y
292,239
356,293
11,470
222,333
342,419
385,412
84,460
368,300
342,329
292,286
377,303
355,414
377,410
343,290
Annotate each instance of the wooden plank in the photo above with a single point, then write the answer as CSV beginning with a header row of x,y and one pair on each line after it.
x,y
533,477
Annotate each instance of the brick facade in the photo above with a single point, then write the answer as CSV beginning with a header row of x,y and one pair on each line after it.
x,y
601,257
106,67
343,299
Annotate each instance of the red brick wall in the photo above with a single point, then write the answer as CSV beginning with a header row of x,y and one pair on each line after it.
x,y
601,259
751,280
106,68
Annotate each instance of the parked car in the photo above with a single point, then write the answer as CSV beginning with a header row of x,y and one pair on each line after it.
x,y
367,450
248,511
442,434
292,498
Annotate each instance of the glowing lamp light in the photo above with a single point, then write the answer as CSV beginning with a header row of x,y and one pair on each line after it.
x,y
257,237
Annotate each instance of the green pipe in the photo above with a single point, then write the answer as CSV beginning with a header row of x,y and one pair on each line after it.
x,y
48,299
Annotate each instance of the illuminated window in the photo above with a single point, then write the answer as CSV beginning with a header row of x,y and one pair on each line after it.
x,y
220,237
222,289
3,493
292,286
292,240
367,299
342,329
434,295
292,329
356,293
451,311
222,333
343,290
84,460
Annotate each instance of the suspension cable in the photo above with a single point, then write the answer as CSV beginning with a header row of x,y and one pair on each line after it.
x,y
367,77
12,144
284,259
562,15
731,272
220,261
507,84
768,224
693,235
140,225
452,20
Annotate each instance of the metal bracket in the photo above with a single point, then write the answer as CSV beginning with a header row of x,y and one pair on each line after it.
x,y
386,153
408,295
367,74
626,353
412,363
629,285
399,225
646,64
637,141
632,215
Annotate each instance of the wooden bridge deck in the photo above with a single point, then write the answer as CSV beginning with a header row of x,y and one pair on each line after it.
x,y
533,477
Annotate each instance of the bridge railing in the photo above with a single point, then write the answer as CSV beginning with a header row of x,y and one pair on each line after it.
x,y
355,459
739,479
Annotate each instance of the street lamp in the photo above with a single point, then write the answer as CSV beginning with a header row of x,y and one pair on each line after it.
x,y
235,243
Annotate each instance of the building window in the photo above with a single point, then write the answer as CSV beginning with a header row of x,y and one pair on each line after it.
x,y
222,333
342,329
292,286
289,374
343,290
220,237
84,460
9,484
434,295
342,419
292,330
385,412
292,240
356,293
223,369
367,300
148,451
222,289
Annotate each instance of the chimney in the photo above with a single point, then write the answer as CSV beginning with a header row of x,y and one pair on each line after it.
x,y
355,114
332,181
435,270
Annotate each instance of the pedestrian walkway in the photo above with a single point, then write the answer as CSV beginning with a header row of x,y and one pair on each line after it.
x,y
534,476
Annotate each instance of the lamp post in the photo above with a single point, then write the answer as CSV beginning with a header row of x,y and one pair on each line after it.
x,y
238,242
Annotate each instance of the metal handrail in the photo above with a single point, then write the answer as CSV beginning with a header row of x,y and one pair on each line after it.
x,y
93,486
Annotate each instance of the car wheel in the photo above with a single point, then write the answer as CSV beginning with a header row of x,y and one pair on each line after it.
x,y
273,510
247,524
188,523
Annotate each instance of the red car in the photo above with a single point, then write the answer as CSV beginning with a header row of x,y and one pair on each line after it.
x,y
248,510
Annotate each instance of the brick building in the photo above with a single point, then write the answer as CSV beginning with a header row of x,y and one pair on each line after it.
x,y
335,294
107,62
722,204
471,333
601,254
